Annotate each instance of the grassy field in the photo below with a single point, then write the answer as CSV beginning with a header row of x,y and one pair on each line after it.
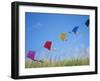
x,y
70,62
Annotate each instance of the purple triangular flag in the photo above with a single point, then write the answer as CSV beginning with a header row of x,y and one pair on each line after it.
x,y
31,55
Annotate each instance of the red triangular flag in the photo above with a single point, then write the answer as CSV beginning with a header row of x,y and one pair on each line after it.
x,y
47,45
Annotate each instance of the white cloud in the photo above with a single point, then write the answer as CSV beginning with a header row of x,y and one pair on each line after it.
x,y
37,25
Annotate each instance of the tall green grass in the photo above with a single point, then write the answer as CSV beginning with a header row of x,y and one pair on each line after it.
x,y
65,62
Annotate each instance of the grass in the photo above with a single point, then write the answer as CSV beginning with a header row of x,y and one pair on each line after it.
x,y
66,62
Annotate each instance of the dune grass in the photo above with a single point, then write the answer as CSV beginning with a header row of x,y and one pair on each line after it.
x,y
66,62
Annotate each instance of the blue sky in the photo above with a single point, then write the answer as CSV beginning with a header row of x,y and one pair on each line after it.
x,y
42,27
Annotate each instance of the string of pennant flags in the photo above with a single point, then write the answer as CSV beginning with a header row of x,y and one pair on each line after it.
x,y
48,44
